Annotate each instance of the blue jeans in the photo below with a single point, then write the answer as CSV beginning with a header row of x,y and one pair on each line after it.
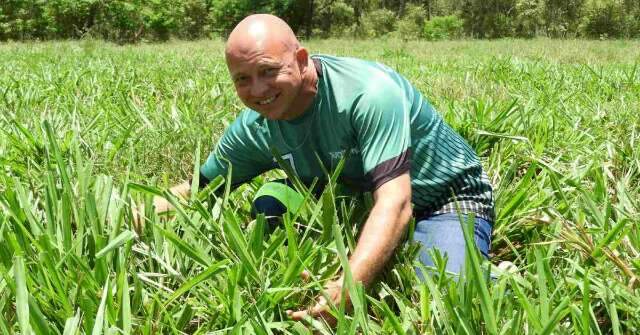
x,y
444,232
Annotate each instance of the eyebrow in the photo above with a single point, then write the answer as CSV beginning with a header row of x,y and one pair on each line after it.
x,y
269,63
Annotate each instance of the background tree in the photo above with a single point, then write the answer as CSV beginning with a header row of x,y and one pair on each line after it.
x,y
129,21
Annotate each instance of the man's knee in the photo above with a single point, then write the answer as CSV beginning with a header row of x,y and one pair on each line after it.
x,y
269,206
444,233
276,198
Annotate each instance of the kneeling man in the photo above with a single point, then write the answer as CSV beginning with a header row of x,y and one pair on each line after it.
x,y
315,110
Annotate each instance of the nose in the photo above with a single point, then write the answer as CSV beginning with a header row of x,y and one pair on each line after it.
x,y
259,88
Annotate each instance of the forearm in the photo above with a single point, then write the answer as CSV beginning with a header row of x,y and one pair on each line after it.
x,y
379,238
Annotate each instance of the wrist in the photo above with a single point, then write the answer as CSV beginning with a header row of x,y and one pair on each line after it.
x,y
362,271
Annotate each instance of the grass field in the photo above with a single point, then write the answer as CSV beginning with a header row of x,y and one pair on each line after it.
x,y
87,129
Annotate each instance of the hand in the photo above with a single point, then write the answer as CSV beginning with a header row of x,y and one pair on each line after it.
x,y
331,295
160,205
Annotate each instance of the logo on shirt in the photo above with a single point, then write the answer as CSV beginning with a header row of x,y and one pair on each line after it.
x,y
337,155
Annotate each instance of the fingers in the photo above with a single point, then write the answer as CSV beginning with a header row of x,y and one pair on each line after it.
x,y
302,314
320,309
138,219
297,315
305,275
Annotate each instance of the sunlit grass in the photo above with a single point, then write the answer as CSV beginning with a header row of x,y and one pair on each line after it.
x,y
88,128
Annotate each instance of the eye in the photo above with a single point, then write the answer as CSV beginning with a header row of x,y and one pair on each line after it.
x,y
239,80
272,71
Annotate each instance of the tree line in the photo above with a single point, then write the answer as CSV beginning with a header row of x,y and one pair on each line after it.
x,y
135,20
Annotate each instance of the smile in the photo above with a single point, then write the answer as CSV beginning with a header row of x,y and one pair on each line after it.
x,y
268,100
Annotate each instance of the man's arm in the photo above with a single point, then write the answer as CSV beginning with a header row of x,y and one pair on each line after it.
x,y
236,147
383,229
380,236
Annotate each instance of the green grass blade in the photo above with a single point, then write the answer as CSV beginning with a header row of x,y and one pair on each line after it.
x,y
22,295
586,304
72,325
121,239
185,248
99,324
558,314
204,275
478,278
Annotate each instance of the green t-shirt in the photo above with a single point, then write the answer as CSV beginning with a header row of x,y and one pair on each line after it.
x,y
385,125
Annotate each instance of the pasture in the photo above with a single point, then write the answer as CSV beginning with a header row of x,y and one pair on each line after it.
x,y
89,128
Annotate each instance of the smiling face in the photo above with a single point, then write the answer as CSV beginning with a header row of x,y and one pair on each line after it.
x,y
270,71
267,80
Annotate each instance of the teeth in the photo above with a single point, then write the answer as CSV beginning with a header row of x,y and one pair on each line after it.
x,y
267,101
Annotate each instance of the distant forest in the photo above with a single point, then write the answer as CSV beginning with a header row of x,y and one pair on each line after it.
x,y
157,20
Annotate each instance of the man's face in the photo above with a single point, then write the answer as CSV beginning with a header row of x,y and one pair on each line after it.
x,y
267,81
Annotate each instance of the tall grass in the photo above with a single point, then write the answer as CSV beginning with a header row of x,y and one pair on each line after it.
x,y
87,129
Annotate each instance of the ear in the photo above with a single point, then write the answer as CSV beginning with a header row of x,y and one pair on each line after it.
x,y
302,57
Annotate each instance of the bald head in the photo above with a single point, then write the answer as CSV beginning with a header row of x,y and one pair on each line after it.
x,y
261,31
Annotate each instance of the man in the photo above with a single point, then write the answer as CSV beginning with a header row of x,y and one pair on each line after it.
x,y
395,144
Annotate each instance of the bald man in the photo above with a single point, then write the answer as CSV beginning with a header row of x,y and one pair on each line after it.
x,y
396,146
